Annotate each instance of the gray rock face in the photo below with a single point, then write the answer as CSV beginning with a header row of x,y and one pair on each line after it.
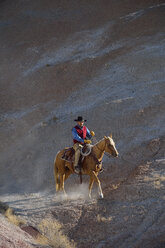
x,y
60,60
103,60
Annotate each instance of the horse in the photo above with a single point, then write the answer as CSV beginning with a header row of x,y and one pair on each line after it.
x,y
63,169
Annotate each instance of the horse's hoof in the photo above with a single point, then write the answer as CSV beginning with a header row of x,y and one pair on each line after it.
x,y
101,196
65,196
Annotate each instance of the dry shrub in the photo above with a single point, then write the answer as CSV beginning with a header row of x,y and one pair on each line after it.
x,y
13,218
103,219
52,230
42,240
9,214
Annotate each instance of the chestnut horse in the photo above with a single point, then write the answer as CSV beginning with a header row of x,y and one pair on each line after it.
x,y
63,169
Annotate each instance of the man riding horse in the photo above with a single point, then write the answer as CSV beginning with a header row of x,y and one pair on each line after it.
x,y
91,164
81,135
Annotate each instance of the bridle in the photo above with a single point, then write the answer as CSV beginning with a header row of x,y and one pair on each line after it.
x,y
99,148
106,154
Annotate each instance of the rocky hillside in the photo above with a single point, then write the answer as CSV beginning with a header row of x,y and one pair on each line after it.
x,y
103,60
12,236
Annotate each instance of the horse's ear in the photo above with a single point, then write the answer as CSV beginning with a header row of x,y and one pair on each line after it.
x,y
110,135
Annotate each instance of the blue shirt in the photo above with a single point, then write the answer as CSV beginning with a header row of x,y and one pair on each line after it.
x,y
77,137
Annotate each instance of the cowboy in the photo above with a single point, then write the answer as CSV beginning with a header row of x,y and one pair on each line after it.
x,y
81,135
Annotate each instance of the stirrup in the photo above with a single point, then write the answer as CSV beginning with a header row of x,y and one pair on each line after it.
x,y
77,169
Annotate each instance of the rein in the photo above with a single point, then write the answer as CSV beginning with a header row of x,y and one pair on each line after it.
x,y
106,154
95,158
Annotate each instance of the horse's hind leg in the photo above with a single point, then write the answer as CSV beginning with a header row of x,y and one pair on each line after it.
x,y
56,176
67,174
62,178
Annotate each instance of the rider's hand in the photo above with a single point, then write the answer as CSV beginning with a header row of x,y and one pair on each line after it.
x,y
92,133
87,141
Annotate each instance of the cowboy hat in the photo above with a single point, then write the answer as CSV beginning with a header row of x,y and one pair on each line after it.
x,y
80,119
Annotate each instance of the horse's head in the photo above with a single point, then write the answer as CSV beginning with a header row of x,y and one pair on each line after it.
x,y
110,146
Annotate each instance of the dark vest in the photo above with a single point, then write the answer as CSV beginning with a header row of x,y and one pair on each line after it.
x,y
81,132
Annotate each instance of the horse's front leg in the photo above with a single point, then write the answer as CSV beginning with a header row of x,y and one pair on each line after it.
x,y
98,183
90,185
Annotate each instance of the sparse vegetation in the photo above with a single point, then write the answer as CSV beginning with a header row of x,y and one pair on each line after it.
x,y
103,219
52,230
54,118
13,218
44,124
41,239
9,214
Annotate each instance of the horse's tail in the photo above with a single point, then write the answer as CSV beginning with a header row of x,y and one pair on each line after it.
x,y
56,175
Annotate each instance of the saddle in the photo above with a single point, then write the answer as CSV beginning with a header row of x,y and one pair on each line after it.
x,y
68,154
